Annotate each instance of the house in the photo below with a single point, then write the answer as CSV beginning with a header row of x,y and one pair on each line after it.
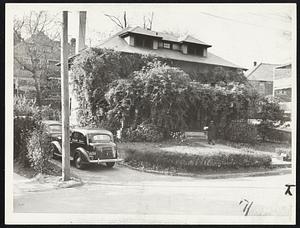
x,y
39,53
261,77
188,52
282,86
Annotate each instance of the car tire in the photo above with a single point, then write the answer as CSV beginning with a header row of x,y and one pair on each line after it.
x,y
110,164
78,161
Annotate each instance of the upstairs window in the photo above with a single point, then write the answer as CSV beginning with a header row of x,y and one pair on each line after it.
x,y
167,45
143,41
195,50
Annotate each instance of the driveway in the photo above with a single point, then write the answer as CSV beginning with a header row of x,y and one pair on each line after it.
x,y
122,191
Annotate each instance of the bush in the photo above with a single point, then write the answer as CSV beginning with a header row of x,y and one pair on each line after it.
x,y
30,141
26,119
157,159
38,149
49,113
270,113
241,131
23,126
143,133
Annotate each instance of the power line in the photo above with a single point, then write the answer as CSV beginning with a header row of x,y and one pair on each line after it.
x,y
243,22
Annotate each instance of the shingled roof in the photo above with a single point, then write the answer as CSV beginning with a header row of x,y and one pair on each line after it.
x,y
261,72
117,43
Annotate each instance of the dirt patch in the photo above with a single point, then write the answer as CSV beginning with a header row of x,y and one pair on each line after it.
x,y
28,172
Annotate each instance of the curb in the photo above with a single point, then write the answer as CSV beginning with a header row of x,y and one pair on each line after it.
x,y
213,176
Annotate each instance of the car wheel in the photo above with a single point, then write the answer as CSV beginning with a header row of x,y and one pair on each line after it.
x,y
110,164
78,161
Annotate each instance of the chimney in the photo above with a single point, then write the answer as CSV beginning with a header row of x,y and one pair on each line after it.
x,y
81,34
254,63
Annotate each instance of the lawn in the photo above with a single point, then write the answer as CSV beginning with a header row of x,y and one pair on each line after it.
x,y
198,156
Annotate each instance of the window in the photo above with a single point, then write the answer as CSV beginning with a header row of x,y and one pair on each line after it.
x,y
55,128
81,138
143,41
167,45
99,138
78,137
195,50
52,62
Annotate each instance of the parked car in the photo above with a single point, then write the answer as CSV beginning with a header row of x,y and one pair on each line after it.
x,y
53,128
89,145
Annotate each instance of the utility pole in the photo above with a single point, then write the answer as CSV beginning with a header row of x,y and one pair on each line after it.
x,y
65,99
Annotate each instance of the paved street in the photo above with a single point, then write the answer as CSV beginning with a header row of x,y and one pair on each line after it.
x,y
124,191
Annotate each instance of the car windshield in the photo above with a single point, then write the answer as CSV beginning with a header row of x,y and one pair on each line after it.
x,y
55,128
99,138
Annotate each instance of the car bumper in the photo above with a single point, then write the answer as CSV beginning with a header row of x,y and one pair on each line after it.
x,y
105,160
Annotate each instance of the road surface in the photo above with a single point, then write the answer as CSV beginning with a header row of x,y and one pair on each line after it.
x,y
124,191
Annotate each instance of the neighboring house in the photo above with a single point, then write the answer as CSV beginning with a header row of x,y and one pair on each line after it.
x,y
188,53
282,86
43,51
261,77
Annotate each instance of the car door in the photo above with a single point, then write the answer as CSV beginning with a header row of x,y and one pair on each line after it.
x,y
73,143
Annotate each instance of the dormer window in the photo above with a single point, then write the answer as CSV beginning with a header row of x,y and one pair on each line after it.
x,y
143,41
195,50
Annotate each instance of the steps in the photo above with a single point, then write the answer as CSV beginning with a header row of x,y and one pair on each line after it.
x,y
195,135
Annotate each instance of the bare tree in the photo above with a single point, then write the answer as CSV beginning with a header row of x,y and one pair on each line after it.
x,y
147,22
117,21
32,54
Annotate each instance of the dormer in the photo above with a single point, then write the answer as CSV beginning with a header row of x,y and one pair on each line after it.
x,y
143,38
193,46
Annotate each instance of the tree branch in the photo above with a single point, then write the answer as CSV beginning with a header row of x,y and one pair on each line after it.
x,y
115,20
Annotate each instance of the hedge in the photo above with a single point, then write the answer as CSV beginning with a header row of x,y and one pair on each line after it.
x,y
241,131
158,159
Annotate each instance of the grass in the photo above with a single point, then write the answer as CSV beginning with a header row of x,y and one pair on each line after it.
x,y
260,147
191,157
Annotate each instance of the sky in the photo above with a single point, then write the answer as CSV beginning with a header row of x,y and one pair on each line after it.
x,y
240,33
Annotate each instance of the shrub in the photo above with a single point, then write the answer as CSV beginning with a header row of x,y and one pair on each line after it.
x,y
157,159
49,113
23,126
241,131
30,141
287,153
143,133
26,119
177,136
38,149
270,113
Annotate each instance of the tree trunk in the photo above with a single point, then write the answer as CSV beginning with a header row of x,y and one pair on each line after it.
x,y
37,88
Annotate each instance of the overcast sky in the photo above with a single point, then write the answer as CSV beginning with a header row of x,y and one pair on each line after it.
x,y
240,33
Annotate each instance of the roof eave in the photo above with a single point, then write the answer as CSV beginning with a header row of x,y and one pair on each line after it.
x,y
207,45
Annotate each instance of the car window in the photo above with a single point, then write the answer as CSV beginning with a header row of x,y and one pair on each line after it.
x,y
55,127
99,138
74,136
81,138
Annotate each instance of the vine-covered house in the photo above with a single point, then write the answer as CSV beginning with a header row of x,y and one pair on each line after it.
x,y
188,53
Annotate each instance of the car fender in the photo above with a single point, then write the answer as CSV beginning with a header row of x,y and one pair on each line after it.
x,y
83,152
57,145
